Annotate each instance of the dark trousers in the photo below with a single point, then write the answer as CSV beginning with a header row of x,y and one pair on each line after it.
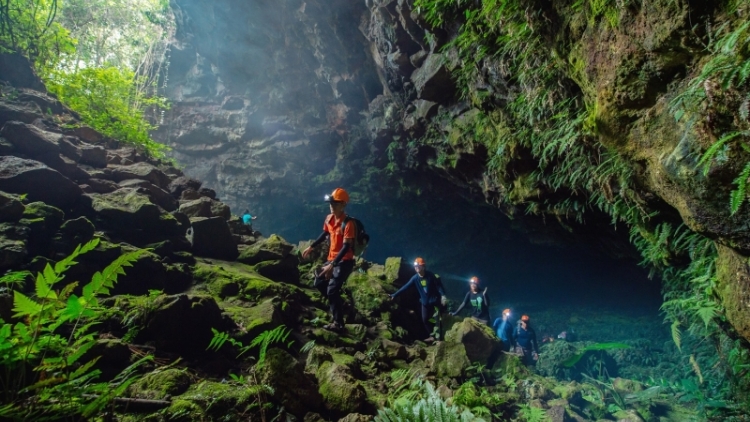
x,y
332,289
427,312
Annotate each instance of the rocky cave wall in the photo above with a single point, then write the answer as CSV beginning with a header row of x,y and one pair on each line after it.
x,y
276,103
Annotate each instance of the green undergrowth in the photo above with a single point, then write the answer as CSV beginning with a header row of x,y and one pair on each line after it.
x,y
545,150
47,367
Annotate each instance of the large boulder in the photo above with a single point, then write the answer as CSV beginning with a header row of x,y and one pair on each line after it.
x,y
284,270
295,389
29,140
210,237
181,184
131,214
342,394
13,241
206,207
39,182
143,171
25,113
478,339
272,249
183,323
156,194
11,208
447,360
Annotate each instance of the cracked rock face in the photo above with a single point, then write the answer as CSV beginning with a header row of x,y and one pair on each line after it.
x,y
265,92
277,103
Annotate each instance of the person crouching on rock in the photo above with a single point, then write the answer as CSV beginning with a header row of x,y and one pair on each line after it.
x,y
526,345
340,263
480,306
431,297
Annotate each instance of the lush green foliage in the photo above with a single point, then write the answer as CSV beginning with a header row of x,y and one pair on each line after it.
x,y
102,58
718,99
107,100
30,27
590,348
544,116
53,336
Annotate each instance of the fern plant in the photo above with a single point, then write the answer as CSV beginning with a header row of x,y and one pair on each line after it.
x,y
53,334
532,414
262,341
431,407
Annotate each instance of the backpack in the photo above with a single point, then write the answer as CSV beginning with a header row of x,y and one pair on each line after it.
x,y
361,238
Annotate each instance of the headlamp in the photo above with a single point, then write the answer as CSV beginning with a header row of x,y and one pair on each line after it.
x,y
327,198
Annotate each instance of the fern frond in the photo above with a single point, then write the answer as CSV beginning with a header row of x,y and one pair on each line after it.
x,y
739,195
707,313
218,340
696,369
676,334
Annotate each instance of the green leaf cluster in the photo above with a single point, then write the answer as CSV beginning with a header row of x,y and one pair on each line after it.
x,y
53,336
103,59
108,100
431,407
263,340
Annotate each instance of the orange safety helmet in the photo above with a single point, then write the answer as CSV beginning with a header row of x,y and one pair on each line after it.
x,y
525,318
419,261
474,280
506,311
338,195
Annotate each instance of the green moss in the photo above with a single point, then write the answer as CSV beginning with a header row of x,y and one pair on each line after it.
x,y
225,279
368,293
256,319
160,384
340,391
215,398
343,359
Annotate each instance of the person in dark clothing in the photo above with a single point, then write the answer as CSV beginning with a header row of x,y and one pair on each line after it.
x,y
480,306
526,345
332,276
504,329
431,297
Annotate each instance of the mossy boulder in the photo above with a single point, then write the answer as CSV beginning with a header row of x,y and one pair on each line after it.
x,y
293,388
131,215
447,360
478,339
342,394
274,248
394,270
227,278
214,399
256,319
317,356
368,293
733,287
284,270
161,384
11,208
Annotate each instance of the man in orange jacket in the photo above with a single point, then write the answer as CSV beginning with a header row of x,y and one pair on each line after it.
x,y
340,261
